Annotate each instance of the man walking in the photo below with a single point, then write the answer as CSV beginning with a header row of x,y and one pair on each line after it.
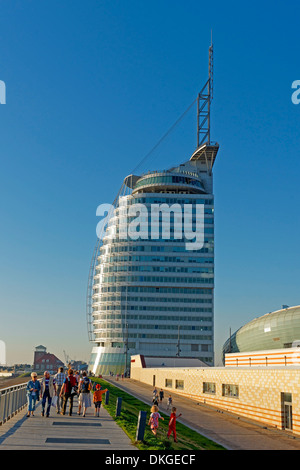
x,y
69,389
48,390
59,380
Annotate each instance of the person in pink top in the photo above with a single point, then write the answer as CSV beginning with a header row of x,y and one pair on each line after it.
x,y
154,419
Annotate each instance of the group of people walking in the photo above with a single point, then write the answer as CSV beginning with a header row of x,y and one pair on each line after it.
x,y
157,397
60,389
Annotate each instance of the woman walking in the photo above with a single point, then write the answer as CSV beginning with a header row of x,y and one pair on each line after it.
x,y
84,390
33,391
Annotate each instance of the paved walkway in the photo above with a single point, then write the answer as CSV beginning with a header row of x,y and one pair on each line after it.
x,y
63,432
226,429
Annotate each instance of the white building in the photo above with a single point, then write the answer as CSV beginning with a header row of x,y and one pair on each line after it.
x,y
152,276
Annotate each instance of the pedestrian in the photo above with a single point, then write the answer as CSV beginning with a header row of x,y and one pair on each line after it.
x,y
32,391
170,401
59,380
84,389
97,398
161,395
77,377
154,419
68,391
172,424
155,400
48,391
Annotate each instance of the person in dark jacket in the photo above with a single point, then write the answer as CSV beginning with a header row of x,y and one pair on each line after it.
x,y
68,391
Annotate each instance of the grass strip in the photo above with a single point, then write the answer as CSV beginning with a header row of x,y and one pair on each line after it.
x,y
188,439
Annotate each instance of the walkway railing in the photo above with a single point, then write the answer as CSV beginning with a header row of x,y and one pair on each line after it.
x,y
12,400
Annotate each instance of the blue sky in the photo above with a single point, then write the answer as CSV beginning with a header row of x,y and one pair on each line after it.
x,y
91,87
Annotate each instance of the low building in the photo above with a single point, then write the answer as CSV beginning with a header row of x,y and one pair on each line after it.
x,y
263,386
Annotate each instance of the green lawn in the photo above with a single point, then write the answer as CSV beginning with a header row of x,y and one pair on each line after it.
x,y
187,438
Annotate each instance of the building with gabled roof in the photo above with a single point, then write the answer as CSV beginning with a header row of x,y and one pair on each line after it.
x,y
44,360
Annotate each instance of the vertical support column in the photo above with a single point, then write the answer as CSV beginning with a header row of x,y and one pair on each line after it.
x,y
118,406
141,426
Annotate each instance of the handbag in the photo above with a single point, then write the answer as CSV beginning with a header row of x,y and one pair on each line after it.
x,y
54,401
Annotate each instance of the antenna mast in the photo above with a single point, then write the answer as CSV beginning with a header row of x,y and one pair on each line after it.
x,y
206,150
204,100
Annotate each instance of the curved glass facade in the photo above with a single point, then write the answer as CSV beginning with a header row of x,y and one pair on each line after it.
x,y
274,330
152,295
167,179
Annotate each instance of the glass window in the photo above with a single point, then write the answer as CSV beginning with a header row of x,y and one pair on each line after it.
x,y
229,390
209,387
168,383
179,384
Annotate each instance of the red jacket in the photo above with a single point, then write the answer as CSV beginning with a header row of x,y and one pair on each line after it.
x,y
172,421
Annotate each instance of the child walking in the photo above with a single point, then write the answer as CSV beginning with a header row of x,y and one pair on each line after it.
x,y
154,417
97,398
170,401
172,424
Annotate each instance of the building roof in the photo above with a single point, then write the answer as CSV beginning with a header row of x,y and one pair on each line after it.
x,y
51,358
163,361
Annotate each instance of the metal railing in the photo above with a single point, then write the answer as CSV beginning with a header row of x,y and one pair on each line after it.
x,y
12,400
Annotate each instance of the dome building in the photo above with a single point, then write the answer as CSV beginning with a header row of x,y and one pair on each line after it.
x,y
275,330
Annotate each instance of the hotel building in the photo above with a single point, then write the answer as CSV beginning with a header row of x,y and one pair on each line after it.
x,y
153,294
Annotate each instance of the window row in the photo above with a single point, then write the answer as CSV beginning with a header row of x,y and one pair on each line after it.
x,y
170,200
151,308
174,318
142,326
108,240
158,290
179,384
172,280
163,269
111,334
228,390
208,248
121,298
154,258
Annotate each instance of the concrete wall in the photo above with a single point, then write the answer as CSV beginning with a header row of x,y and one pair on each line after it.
x,y
259,389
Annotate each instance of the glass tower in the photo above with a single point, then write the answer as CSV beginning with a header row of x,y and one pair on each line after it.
x,y
153,287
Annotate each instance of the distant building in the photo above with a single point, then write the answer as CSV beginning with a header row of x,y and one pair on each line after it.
x,y
79,365
44,360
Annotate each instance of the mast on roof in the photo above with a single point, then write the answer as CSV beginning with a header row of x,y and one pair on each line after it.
x,y
206,150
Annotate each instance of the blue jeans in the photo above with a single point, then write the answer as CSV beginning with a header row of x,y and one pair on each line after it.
x,y
31,400
46,396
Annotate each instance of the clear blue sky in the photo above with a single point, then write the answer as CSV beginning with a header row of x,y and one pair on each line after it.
x,y
91,88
